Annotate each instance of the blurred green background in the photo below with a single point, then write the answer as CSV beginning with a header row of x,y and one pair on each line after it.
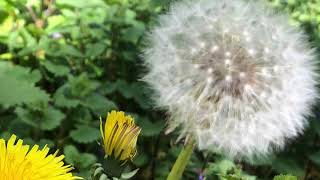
x,y
65,63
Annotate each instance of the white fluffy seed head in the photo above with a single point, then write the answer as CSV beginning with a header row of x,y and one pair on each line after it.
x,y
214,48
245,82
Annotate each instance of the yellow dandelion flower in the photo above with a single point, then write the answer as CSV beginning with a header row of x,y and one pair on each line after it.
x,y
120,135
17,162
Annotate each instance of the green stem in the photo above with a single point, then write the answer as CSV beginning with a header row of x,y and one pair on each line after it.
x,y
181,162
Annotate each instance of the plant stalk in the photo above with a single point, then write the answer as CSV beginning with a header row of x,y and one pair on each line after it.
x,y
181,162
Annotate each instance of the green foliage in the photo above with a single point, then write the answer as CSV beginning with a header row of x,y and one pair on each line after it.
x,y
224,169
45,119
18,86
81,160
85,134
63,65
99,173
302,13
285,177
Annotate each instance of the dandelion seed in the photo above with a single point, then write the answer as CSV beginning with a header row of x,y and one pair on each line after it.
x,y
227,62
251,52
266,50
228,78
242,74
228,54
214,48
202,44
270,95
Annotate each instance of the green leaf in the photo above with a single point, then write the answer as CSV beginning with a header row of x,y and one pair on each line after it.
x,y
285,177
26,116
48,119
44,142
221,167
18,86
288,166
315,157
55,22
108,88
141,159
134,90
99,104
96,49
74,157
70,51
87,159
72,92
129,175
85,134
149,128
133,34
82,86
57,70
51,119
62,100
71,153
80,3
81,115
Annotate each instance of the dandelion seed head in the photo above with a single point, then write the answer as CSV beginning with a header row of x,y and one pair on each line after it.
x,y
253,75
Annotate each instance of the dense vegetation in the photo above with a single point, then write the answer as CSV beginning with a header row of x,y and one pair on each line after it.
x,y
66,63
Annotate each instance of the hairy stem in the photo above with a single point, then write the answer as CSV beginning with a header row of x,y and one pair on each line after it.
x,y
181,162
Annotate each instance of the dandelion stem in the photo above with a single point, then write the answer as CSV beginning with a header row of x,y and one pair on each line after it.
x,y
181,162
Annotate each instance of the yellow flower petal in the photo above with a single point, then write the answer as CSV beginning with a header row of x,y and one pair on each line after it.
x,y
18,163
120,135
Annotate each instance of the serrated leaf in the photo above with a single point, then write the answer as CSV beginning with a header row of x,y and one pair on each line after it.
x,y
133,90
220,167
17,86
19,72
133,34
149,128
124,88
108,88
87,159
71,153
57,70
48,119
81,115
85,134
96,49
74,157
285,177
71,51
25,116
26,93
62,100
51,119
99,104
81,86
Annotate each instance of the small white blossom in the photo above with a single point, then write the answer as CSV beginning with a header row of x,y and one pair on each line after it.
x,y
245,81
